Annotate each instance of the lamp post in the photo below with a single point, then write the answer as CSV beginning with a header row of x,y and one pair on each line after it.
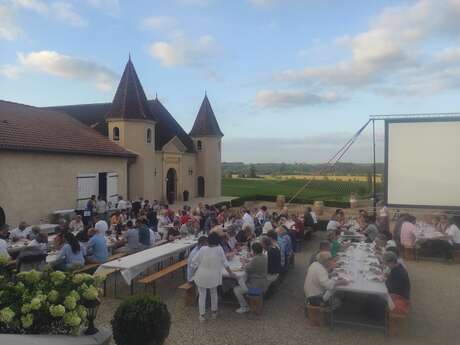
x,y
92,307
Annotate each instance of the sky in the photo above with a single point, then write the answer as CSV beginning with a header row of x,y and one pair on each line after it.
x,y
289,80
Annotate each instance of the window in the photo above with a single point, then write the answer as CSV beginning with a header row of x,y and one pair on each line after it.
x,y
116,133
149,135
199,145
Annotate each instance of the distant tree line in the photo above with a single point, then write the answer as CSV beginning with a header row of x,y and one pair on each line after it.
x,y
256,169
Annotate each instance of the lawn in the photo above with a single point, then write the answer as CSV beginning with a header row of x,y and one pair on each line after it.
x,y
317,190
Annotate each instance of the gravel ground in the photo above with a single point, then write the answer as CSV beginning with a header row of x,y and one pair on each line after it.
x,y
433,319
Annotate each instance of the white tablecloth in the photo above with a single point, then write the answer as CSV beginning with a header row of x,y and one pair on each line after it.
x,y
132,265
48,228
426,231
357,269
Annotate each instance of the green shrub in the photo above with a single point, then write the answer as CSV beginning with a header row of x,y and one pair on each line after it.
x,y
49,302
141,320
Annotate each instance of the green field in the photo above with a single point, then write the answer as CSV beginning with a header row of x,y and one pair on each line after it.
x,y
317,190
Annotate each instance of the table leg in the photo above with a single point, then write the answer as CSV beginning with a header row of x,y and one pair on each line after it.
x,y
332,312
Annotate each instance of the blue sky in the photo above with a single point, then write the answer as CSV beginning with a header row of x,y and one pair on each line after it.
x,y
289,80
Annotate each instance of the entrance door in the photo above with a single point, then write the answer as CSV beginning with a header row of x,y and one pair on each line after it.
x,y
2,217
103,185
201,187
112,188
87,185
171,182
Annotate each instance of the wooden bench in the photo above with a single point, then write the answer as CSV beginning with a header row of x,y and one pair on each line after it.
x,y
396,323
190,293
152,278
409,254
90,267
317,315
255,301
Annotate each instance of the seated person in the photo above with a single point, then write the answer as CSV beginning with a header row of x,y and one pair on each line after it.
x,y
40,240
71,255
408,232
76,225
187,228
97,247
245,234
318,285
4,241
324,246
256,271
337,221
202,242
173,233
19,233
232,241
144,233
229,252
370,229
335,244
398,284
34,232
130,242
116,222
281,245
273,258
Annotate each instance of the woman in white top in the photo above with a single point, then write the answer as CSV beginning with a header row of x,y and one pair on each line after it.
x,y
209,262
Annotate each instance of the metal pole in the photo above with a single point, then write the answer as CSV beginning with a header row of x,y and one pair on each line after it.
x,y
374,191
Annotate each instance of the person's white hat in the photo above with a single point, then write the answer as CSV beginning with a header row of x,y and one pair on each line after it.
x,y
101,226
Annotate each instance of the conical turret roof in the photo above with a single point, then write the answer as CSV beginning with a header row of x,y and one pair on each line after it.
x,y
206,122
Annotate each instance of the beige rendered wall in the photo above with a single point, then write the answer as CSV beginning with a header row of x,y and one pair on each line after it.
x,y
133,136
188,181
34,184
209,165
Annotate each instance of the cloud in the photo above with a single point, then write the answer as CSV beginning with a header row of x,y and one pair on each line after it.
x,y
160,23
182,51
393,52
62,66
199,3
112,7
281,99
66,13
9,30
62,11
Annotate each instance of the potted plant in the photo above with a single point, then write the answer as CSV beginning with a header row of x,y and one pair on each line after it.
x,y
141,320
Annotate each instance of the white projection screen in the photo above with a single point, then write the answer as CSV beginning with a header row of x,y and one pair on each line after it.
x,y
422,163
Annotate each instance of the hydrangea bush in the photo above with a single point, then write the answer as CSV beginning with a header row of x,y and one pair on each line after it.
x,y
49,302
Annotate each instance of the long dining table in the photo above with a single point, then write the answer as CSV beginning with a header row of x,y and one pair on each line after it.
x,y
131,266
360,267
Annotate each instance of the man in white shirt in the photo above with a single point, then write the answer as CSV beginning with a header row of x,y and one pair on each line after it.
x,y
101,208
318,286
247,219
454,234
20,232
122,204
3,241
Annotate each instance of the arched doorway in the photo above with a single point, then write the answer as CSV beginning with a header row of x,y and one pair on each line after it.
x,y
171,183
201,187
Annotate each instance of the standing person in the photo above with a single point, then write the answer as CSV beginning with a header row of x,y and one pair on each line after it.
x,y
202,242
89,211
130,240
453,236
71,255
247,219
209,263
76,225
408,232
262,215
4,241
101,208
122,204
256,271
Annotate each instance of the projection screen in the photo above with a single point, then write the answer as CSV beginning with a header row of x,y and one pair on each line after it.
x,y
422,163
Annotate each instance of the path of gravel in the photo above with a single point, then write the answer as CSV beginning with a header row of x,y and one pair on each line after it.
x,y
435,317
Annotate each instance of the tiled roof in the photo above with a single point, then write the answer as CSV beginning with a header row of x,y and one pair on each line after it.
x,y
27,128
130,101
205,122
93,115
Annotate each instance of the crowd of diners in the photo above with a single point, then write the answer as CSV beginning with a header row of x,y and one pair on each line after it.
x,y
268,241
320,282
